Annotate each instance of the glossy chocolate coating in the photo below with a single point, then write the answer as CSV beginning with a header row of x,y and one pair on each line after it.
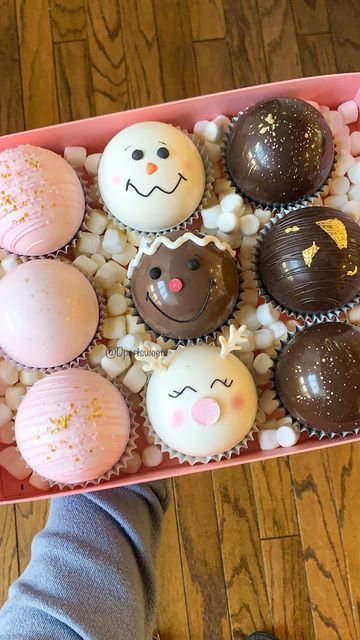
x,y
208,293
317,377
280,151
309,261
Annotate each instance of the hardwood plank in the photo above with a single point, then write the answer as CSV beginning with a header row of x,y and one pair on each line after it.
x,y
281,50
287,588
68,19
344,20
201,559
9,569
171,613
207,19
213,66
310,16
245,42
73,80
345,470
241,551
317,54
141,53
30,519
11,112
322,546
37,63
274,498
176,49
108,68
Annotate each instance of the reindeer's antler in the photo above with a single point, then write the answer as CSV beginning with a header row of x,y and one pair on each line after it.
x,y
233,343
152,362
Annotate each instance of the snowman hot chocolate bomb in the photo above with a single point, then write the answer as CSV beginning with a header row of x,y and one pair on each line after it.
x,y
184,285
151,176
201,400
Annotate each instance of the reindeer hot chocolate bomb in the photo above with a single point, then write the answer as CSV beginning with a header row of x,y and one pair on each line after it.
x,y
279,151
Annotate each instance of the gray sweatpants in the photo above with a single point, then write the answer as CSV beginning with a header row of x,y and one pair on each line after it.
x,y
91,574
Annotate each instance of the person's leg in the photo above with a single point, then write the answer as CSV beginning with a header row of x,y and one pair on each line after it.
x,y
91,574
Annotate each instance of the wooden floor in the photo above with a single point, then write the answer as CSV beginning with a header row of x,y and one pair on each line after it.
x,y
272,545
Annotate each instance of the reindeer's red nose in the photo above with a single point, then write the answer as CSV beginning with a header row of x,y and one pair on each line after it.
x,y
151,168
175,285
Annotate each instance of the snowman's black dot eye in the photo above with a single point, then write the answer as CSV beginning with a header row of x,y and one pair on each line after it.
x,y
155,273
137,154
193,264
163,152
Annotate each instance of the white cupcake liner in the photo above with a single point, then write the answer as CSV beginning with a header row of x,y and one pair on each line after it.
x,y
81,358
119,466
274,207
263,292
311,431
188,223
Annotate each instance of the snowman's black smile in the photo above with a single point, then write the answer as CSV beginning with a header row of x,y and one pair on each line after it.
x,y
146,195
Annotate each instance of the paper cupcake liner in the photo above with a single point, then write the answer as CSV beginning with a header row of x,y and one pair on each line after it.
x,y
187,224
274,207
263,292
80,359
181,457
119,466
311,431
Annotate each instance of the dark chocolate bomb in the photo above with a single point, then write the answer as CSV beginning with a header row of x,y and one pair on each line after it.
x,y
280,151
317,377
309,261
185,292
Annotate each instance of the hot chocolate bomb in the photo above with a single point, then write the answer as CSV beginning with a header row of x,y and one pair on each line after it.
x,y
184,285
279,151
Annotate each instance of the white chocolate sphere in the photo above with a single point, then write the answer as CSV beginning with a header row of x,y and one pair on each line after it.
x,y
202,404
151,176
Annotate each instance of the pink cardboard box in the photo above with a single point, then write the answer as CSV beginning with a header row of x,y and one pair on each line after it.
x,y
93,134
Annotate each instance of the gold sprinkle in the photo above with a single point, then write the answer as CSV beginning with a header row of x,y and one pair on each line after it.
x,y
21,220
352,273
336,230
264,129
77,459
52,447
61,423
48,457
292,229
32,162
95,411
37,437
5,175
269,118
309,253
63,443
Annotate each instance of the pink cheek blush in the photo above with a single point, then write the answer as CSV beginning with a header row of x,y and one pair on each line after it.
x,y
187,165
117,180
237,402
177,418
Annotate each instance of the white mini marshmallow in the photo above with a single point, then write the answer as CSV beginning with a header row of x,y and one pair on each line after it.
x,y
354,173
247,315
88,242
213,150
117,305
249,342
343,143
264,338
108,274
232,202
76,156
267,314
279,329
263,215
114,328
349,111
224,119
7,435
115,288
268,401
222,185
335,121
133,464
214,131
250,297
210,216
133,237
126,255
97,353
28,378
135,378
113,367
84,264
249,224
13,396
352,209
268,439
291,325
11,460
92,163
354,192
114,240
5,414
9,262
99,259
337,202
152,456
288,435
344,162
132,325
8,373
262,362
354,314
355,143
340,185
200,126
228,222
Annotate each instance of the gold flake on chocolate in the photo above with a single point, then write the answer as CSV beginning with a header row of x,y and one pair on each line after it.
x,y
293,229
32,162
353,272
21,220
310,253
336,230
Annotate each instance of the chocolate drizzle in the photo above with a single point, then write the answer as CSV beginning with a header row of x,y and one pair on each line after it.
x,y
280,151
309,261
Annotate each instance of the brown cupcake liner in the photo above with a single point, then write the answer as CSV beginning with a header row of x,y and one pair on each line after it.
x,y
79,360
274,207
188,223
263,292
311,431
